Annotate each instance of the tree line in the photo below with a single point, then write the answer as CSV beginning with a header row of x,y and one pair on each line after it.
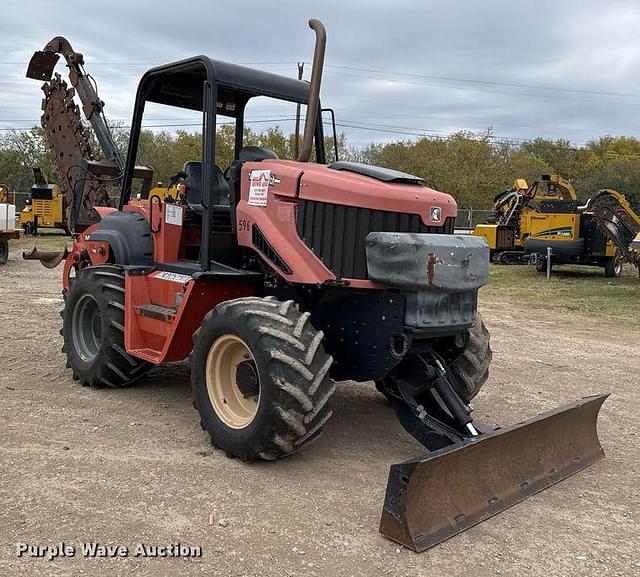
x,y
472,167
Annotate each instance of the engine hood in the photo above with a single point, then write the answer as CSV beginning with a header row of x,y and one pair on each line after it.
x,y
347,187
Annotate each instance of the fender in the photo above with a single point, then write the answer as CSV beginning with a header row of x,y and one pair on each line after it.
x,y
128,235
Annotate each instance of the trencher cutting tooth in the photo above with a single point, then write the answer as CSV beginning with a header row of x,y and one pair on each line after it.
x,y
66,136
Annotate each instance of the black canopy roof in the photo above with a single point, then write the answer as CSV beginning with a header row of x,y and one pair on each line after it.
x,y
180,84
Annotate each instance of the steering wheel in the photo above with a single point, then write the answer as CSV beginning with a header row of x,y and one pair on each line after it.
x,y
175,178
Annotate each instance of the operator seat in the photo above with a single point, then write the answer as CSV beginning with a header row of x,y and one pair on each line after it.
x,y
193,192
256,154
247,154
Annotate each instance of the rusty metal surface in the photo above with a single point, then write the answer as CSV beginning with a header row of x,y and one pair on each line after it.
x,y
10,234
67,139
435,497
429,261
41,65
48,259
313,105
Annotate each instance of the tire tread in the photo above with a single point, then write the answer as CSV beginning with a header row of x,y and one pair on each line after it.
x,y
296,365
114,367
472,366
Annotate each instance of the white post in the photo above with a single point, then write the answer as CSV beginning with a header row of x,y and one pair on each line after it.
x,y
548,262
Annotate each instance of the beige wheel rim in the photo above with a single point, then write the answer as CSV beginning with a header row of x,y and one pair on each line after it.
x,y
232,407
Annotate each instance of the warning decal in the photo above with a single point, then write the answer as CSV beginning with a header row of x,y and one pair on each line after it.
x,y
173,214
259,187
173,276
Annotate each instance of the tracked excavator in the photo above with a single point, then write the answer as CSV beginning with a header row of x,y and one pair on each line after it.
x,y
276,278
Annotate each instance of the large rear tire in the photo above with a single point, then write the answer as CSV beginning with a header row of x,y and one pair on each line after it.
x,y
260,378
471,367
93,330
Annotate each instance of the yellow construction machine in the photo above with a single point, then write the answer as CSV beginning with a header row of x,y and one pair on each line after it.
x,y
503,232
619,222
46,206
528,222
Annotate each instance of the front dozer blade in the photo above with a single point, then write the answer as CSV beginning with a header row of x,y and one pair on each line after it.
x,y
434,497
41,65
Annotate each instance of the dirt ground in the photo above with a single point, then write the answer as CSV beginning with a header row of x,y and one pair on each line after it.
x,y
133,466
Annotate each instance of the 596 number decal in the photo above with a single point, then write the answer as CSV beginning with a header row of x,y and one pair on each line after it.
x,y
244,224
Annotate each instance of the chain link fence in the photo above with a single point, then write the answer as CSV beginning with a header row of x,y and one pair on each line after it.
x,y
468,218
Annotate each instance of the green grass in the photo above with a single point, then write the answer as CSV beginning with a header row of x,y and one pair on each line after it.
x,y
580,289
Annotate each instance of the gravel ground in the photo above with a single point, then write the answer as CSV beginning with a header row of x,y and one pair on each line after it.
x,y
133,466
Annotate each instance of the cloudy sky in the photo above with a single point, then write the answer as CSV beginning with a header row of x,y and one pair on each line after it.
x,y
394,69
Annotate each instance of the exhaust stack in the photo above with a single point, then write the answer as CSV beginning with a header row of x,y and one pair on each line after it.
x,y
314,89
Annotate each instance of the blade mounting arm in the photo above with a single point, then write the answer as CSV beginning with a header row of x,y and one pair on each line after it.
x,y
432,411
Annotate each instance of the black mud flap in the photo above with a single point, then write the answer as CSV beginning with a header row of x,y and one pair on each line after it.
x,y
443,493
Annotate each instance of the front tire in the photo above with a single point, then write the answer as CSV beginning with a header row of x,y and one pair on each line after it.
x,y
93,330
260,378
471,367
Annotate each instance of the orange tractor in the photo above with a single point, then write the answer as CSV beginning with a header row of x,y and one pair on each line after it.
x,y
276,278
